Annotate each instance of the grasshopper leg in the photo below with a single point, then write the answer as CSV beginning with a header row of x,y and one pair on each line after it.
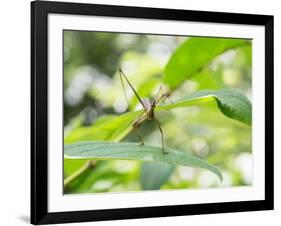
x,y
136,124
141,141
162,136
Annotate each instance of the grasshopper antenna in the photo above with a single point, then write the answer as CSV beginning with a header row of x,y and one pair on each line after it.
x,y
123,87
121,73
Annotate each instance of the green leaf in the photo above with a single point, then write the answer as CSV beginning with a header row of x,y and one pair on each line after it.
x,y
233,104
84,182
72,165
113,128
155,174
193,55
133,151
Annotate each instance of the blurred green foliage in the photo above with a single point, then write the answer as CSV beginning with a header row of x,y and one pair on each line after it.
x,y
94,99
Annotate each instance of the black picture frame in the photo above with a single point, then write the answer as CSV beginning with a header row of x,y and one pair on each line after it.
x,y
39,111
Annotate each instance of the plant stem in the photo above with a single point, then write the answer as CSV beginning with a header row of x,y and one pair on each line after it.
x,y
88,165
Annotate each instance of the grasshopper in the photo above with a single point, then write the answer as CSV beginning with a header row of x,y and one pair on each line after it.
x,y
148,108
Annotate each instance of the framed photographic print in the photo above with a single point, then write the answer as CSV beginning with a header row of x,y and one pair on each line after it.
x,y
144,112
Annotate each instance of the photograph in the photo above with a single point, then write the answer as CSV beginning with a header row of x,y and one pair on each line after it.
x,y
147,112
140,112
